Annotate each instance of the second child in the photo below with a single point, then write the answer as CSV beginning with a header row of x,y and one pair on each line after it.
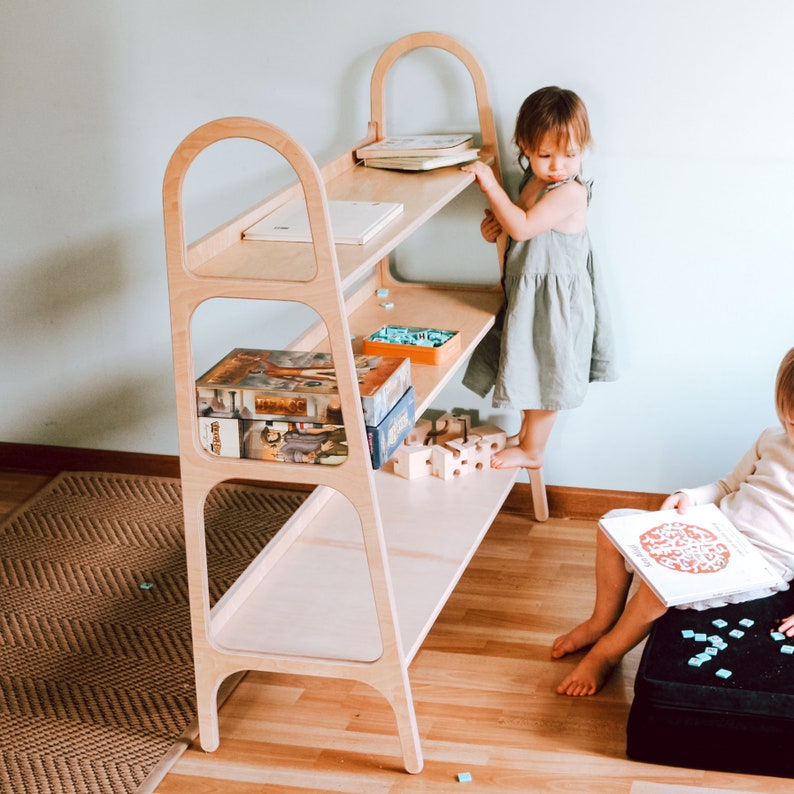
x,y
757,497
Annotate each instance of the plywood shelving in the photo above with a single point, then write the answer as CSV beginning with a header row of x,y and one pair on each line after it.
x,y
352,584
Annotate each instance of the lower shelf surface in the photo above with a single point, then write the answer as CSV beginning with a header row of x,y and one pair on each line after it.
x,y
317,601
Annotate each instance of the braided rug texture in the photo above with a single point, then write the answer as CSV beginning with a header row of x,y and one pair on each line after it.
x,y
96,672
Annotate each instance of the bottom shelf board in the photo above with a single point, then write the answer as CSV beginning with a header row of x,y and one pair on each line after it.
x,y
317,601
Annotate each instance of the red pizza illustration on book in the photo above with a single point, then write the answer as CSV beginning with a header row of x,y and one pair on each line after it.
x,y
685,547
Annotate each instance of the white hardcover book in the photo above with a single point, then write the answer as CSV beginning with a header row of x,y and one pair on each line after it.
x,y
690,557
422,163
352,222
416,145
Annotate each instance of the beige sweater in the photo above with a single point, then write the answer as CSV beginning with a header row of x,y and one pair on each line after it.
x,y
758,497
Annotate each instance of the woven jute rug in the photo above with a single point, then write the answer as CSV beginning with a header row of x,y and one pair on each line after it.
x,y
96,670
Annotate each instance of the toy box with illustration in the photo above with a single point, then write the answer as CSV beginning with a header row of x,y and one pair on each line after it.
x,y
293,442
290,384
392,431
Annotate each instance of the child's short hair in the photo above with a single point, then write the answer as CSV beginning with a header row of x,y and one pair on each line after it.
x,y
554,110
784,387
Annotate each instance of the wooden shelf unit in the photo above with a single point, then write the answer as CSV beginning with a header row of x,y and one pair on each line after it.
x,y
352,584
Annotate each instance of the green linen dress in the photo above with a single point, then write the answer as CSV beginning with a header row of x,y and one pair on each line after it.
x,y
553,335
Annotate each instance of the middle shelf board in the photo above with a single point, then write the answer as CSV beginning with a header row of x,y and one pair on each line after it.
x,y
318,600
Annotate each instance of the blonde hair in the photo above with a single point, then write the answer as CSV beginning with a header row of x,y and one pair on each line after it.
x,y
784,387
555,111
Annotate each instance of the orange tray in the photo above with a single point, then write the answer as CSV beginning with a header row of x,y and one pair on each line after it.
x,y
379,343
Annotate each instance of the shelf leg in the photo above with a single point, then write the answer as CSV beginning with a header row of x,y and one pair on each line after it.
x,y
207,709
540,502
402,704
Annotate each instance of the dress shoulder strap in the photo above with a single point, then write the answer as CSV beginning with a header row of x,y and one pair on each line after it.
x,y
587,183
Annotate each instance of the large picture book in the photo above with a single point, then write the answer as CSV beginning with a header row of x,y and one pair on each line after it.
x,y
416,146
690,557
292,384
427,163
352,222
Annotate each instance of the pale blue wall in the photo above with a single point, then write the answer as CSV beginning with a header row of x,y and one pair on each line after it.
x,y
692,106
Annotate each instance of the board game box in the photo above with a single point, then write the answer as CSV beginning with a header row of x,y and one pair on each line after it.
x,y
296,385
220,436
391,432
293,442
304,442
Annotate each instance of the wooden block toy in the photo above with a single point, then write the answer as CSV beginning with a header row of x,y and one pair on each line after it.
x,y
490,435
449,426
466,454
420,432
412,461
469,454
443,462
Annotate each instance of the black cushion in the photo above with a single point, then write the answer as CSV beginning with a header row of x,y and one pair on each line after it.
x,y
684,715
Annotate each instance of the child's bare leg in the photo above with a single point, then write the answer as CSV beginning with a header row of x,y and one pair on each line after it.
x,y
536,427
612,587
632,627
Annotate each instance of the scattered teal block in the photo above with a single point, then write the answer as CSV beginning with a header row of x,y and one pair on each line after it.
x,y
687,634
737,633
704,657
700,636
723,673
719,623
464,777
777,636
747,623
787,649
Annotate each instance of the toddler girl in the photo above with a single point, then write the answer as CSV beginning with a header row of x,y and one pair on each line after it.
x,y
551,337
758,498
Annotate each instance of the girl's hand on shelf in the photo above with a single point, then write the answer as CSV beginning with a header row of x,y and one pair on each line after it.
x,y
483,173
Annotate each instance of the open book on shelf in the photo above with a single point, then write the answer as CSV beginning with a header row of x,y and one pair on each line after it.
x,y
352,222
416,146
690,557
423,163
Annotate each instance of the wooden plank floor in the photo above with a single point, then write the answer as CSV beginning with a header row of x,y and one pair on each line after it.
x,y
483,686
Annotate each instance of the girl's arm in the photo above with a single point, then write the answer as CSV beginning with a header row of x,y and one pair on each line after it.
x,y
522,224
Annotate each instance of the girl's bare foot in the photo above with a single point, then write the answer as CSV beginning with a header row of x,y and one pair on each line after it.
x,y
583,635
515,458
587,677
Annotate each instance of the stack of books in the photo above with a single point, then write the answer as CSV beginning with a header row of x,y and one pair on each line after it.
x,y
284,405
419,152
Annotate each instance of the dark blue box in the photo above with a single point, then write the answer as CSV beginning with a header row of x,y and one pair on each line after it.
x,y
391,432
